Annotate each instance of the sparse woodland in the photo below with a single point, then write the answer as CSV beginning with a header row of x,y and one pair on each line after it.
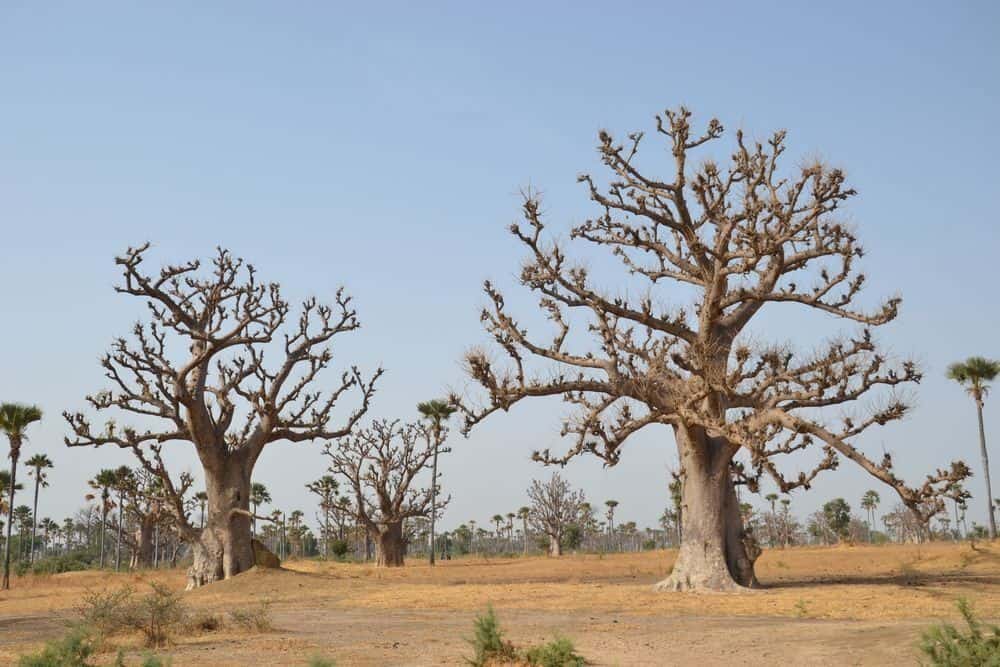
x,y
221,364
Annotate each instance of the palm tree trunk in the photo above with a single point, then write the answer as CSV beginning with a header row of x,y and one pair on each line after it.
x,y
34,519
986,472
104,520
118,546
434,473
10,515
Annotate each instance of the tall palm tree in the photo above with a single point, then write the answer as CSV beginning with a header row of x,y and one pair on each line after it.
x,y
869,502
611,504
48,528
124,483
14,420
523,513
202,498
38,464
326,487
974,374
259,495
103,481
438,412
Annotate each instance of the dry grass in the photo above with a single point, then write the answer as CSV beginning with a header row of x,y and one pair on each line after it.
x,y
900,583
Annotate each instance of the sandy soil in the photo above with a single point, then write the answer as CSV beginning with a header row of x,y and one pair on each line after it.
x,y
844,605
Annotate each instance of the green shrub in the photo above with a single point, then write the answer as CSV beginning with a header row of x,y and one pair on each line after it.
x,y
108,612
557,653
253,619
339,548
320,661
71,562
69,651
947,646
150,660
487,641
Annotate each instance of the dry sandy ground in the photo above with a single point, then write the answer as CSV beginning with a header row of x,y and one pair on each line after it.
x,y
839,606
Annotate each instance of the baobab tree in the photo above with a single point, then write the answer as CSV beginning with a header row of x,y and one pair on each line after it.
x,y
37,464
975,374
726,241
15,419
380,465
554,506
197,369
437,413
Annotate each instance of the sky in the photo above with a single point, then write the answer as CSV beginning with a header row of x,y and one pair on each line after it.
x,y
382,146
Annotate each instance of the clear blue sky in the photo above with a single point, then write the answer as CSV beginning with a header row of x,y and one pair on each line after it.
x,y
382,147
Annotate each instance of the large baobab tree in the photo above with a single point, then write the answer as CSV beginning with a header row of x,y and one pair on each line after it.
x,y
975,374
437,413
15,419
225,365
554,506
706,250
380,465
38,464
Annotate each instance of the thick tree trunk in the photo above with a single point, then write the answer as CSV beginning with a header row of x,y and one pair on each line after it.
x,y
389,545
715,553
223,548
144,554
555,547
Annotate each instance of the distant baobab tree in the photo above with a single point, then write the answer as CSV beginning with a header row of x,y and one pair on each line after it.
x,y
197,369
554,506
706,249
380,465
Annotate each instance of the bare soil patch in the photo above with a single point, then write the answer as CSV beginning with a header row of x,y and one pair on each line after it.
x,y
843,605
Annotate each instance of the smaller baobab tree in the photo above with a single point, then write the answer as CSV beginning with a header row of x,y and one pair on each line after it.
x,y
37,465
380,464
225,365
554,506
975,374
436,412
14,421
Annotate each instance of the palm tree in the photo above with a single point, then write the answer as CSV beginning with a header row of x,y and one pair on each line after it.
x,y
124,482
14,420
202,498
974,374
869,502
23,517
510,529
438,412
523,513
5,488
326,488
104,481
612,504
38,464
259,495
48,527
771,498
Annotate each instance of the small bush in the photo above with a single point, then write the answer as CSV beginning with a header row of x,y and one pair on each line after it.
x,y
488,643
559,652
70,651
108,612
253,619
339,548
947,646
114,612
157,613
204,623
150,660
320,661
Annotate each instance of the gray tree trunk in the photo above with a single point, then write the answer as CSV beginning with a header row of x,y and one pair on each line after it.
x,y
714,552
986,472
223,548
34,519
389,546
555,546
10,515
